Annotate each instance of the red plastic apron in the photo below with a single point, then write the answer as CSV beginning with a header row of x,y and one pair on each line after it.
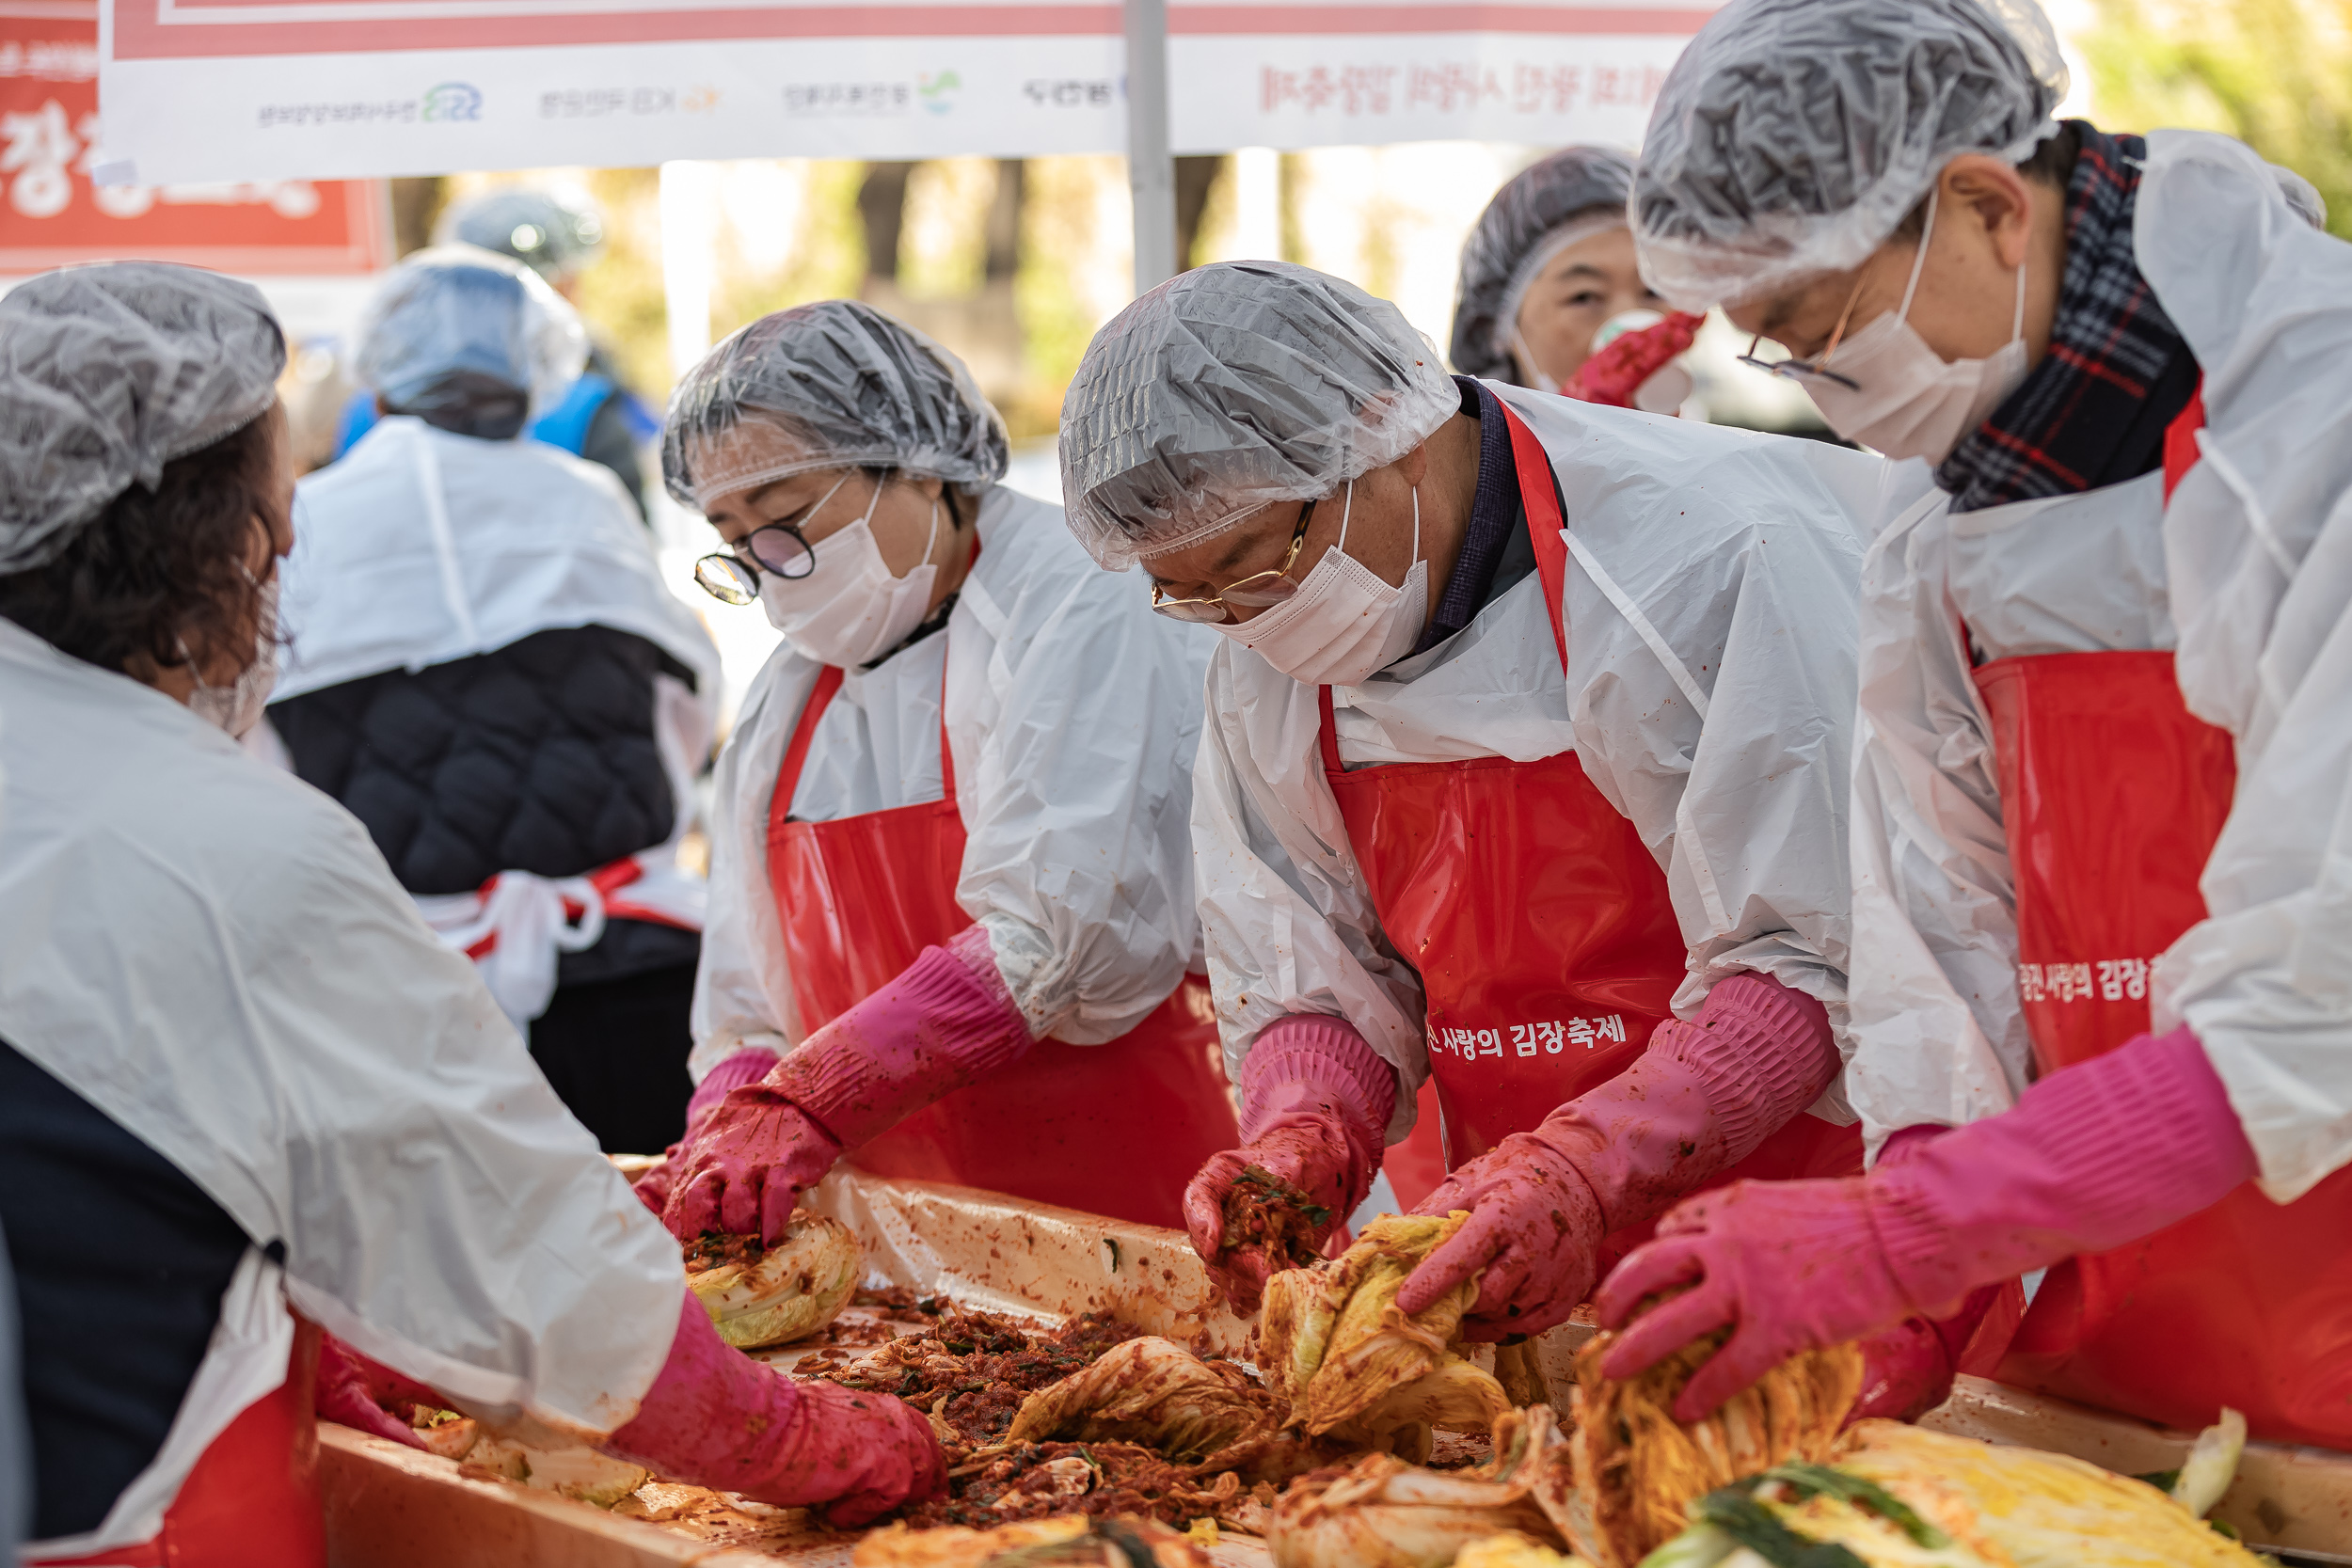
x,y
1539,921
2113,795
252,1500
1116,1129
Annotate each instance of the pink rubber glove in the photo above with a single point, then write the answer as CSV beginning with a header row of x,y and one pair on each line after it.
x,y
2089,1158
353,1389
1701,1098
744,1066
1315,1103
1907,1371
715,1418
946,1021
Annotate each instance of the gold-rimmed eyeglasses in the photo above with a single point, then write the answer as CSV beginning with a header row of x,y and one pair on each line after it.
x,y
1255,591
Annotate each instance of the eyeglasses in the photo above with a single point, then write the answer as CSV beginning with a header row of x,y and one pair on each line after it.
x,y
733,576
1255,591
1816,368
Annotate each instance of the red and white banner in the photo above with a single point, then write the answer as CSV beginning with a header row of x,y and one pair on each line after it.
x,y
263,89
52,214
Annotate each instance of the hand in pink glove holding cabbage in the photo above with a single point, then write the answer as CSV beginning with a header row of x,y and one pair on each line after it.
x,y
1795,1265
1701,1099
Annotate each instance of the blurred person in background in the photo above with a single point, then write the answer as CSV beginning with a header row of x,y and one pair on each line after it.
x,y
2101,1023
1524,769
239,1078
556,234
951,933
1548,279
485,667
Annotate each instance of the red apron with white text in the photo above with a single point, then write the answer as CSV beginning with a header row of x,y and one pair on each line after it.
x,y
1539,922
2113,794
1117,1128
252,1500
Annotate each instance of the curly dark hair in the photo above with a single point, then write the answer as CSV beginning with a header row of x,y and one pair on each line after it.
x,y
158,567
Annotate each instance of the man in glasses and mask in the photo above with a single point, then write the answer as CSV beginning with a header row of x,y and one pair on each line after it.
x,y
1524,768
951,913
2123,358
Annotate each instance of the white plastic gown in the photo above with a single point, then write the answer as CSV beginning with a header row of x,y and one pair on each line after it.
x,y
1709,695
215,956
420,547
1073,713
1939,1034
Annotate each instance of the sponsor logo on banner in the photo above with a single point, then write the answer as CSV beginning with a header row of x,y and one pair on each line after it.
x,y
1465,88
453,101
1072,93
934,90
603,103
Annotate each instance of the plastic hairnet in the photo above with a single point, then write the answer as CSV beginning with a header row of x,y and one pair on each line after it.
x,y
461,311
1233,387
551,233
1791,136
1550,204
109,371
827,385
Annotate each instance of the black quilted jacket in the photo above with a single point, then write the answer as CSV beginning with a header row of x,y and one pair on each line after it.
x,y
537,757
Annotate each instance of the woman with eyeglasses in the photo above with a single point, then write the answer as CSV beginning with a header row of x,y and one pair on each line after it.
x,y
1525,769
951,927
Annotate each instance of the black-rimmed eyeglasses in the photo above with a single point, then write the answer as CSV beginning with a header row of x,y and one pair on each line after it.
x,y
733,576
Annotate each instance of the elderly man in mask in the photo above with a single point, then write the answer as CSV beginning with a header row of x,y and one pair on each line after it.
x,y
1524,768
2109,625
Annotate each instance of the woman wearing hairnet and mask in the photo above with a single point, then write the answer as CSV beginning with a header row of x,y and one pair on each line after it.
x,y
2096,1030
1524,768
485,667
1548,281
239,1078
952,918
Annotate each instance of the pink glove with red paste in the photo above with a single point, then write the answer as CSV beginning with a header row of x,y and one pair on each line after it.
x,y
1613,374
357,1391
1315,1103
715,1417
1702,1097
946,1021
2091,1157
744,1066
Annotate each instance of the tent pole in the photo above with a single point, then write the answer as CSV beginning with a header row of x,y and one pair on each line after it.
x,y
1151,165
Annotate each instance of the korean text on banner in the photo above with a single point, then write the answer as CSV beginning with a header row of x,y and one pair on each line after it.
x,y
52,214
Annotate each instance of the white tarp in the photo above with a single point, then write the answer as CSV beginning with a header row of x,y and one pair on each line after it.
x,y
262,89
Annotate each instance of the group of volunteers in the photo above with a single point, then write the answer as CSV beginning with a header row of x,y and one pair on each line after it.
x,y
1699,814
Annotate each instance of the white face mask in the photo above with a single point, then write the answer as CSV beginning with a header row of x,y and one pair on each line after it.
x,y
237,707
850,611
1906,402
1345,623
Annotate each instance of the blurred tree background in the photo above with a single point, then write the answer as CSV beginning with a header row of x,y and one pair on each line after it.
x,y
2275,74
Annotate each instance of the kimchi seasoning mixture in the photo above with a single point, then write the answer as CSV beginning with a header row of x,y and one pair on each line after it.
x,y
1263,1210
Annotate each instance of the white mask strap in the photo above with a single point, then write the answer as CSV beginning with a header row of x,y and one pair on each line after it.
x,y
2017,322
932,538
1347,507
870,504
1919,262
1408,565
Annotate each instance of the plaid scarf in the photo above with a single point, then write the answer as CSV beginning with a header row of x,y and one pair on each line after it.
x,y
2109,345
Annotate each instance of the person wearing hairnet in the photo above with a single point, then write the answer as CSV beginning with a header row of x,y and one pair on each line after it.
x,y
951,921
1524,768
1548,279
2072,1050
556,234
485,667
239,1078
